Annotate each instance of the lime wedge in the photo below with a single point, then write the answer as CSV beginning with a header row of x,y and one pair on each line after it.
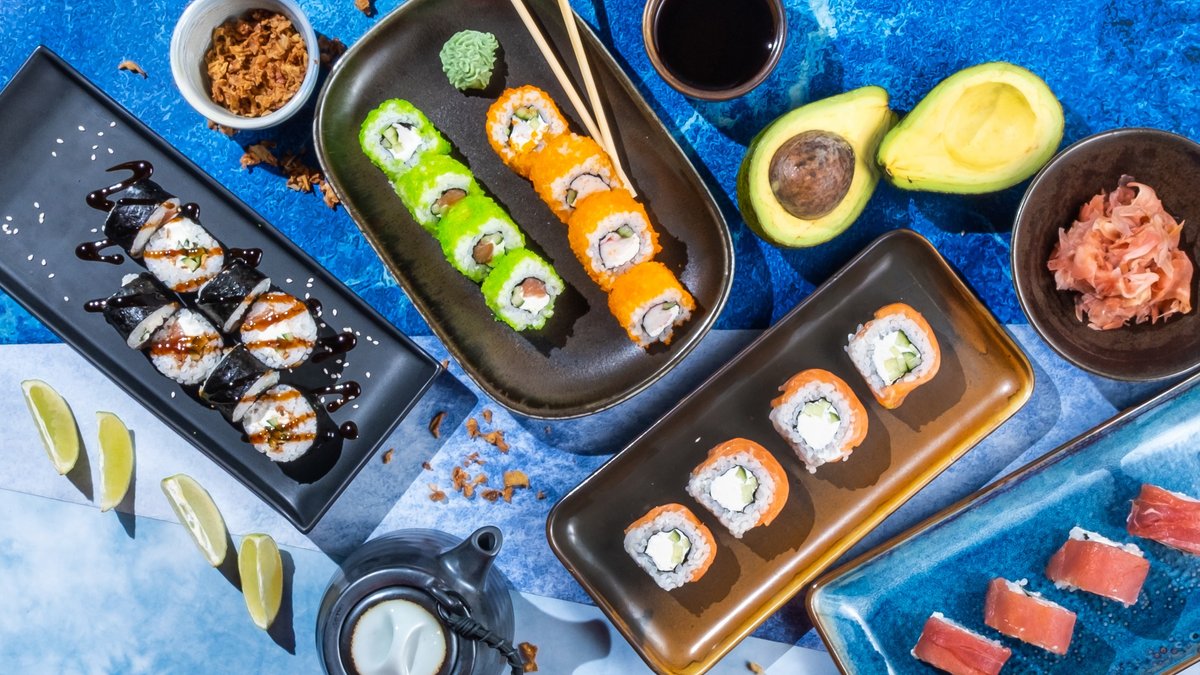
x,y
116,459
261,570
196,510
55,424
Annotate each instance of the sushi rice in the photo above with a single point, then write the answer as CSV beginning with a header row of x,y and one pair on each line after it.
x,y
475,233
521,289
183,255
279,330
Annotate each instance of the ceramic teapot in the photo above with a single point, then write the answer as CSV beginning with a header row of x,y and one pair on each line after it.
x,y
421,602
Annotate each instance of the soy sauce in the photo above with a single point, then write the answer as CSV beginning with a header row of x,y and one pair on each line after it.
x,y
715,44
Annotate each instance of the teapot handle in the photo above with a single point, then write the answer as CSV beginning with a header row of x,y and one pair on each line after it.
x,y
453,610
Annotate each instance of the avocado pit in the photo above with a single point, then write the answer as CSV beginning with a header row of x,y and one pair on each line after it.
x,y
811,173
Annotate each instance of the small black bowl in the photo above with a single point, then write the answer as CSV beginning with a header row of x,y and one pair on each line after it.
x,y
1164,161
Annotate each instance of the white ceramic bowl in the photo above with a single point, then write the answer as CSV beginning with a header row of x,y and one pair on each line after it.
x,y
192,37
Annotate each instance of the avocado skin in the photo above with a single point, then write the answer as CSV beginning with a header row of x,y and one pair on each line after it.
x,y
1050,118
762,212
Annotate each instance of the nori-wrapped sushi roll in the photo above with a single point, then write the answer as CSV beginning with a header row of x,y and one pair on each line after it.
x,y
236,381
142,209
138,309
228,296
187,347
283,423
280,330
396,136
475,233
433,187
521,289
183,255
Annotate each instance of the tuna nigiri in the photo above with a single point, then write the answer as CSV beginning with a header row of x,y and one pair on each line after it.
x,y
1019,612
1167,517
1092,563
946,645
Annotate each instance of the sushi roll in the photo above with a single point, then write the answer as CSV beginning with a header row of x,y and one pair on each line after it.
x,y
186,348
520,122
650,303
610,232
895,353
236,381
279,330
433,187
138,309
948,646
143,208
183,255
282,423
521,289
820,417
568,170
741,484
1018,612
1092,563
226,298
671,545
396,136
1170,518
475,233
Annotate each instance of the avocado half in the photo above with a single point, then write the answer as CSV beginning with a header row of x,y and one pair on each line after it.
x,y
808,175
982,129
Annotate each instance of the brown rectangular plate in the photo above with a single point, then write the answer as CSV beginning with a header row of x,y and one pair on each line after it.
x,y
984,379
581,362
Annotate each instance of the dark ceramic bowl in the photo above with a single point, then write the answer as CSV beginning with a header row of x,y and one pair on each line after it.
x,y
1164,161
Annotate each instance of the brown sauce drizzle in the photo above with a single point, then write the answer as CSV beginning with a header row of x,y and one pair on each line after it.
x,y
90,251
182,252
314,306
348,430
261,323
334,345
186,347
278,343
140,170
190,210
248,256
346,392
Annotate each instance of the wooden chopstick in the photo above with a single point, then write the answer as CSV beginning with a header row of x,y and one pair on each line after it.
x,y
564,81
606,138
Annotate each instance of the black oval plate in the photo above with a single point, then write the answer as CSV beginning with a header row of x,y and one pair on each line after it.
x,y
47,108
581,362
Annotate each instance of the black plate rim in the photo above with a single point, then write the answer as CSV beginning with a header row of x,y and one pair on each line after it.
x,y
302,522
592,42
1067,449
1021,282
883,240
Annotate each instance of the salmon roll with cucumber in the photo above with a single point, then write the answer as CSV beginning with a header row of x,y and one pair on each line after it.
x,y
520,122
568,170
475,233
820,417
186,348
610,233
138,309
650,303
183,255
433,187
283,423
280,330
671,545
396,136
521,289
742,484
895,353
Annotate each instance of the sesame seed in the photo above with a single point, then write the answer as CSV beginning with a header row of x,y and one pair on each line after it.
x,y
58,140
110,151
172,394
95,146
288,280
16,230
66,299
306,296
94,230
8,218
53,154
93,157
81,128
29,257
368,374
37,205
43,262
355,406
99,133
335,312
41,218
112,124
50,276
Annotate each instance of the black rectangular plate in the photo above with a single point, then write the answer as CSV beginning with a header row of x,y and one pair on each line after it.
x,y
984,379
581,362
47,101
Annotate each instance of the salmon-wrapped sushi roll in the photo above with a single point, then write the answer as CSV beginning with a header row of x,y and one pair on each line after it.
x,y
948,646
1090,562
671,545
520,122
610,232
1170,518
1018,612
570,168
650,303
820,417
742,484
896,352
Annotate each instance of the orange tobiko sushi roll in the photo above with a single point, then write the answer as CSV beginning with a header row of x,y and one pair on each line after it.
x,y
520,123
1018,612
650,303
671,545
895,353
610,233
569,169
742,484
957,650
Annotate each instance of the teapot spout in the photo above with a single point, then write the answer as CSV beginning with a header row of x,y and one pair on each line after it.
x,y
468,563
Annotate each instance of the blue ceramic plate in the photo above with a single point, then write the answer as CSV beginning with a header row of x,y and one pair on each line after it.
x,y
871,611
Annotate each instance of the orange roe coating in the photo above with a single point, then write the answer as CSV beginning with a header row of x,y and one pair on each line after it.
x,y
583,223
639,286
520,160
561,155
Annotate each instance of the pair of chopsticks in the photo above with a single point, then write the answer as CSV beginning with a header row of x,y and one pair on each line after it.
x,y
597,127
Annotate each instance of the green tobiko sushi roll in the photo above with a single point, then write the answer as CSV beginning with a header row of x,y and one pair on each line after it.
x,y
433,186
396,136
475,233
521,289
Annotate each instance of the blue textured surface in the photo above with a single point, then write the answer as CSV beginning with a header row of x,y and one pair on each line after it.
x,y
875,613
1095,56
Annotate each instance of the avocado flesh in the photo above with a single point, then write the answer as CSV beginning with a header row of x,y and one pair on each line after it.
x,y
980,130
861,118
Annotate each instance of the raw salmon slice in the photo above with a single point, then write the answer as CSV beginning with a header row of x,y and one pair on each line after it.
x,y
1092,563
1167,517
946,645
1018,612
